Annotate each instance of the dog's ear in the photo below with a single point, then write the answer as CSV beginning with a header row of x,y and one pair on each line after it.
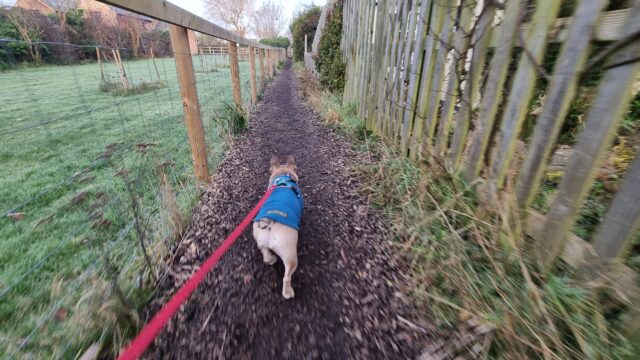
x,y
291,161
275,162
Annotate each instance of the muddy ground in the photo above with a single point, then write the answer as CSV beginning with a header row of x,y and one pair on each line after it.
x,y
349,291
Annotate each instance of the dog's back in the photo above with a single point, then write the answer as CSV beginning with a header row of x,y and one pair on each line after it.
x,y
283,206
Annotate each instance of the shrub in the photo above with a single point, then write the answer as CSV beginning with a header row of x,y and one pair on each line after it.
x,y
305,23
281,42
231,120
330,63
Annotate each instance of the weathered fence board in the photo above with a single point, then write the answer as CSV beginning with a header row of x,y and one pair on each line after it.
x,y
380,38
522,88
480,40
383,69
397,72
610,27
390,68
431,83
409,69
559,96
601,122
415,75
457,57
493,90
618,226
414,66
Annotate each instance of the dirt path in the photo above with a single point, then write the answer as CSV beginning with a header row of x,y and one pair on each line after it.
x,y
346,302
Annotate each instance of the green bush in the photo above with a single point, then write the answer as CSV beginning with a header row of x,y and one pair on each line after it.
x,y
330,63
305,23
281,42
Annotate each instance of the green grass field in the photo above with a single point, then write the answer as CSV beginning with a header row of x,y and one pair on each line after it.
x,y
74,161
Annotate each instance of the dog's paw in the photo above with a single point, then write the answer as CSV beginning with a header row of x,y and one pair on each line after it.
x,y
287,291
271,260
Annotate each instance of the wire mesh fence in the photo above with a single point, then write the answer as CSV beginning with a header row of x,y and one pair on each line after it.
x,y
97,183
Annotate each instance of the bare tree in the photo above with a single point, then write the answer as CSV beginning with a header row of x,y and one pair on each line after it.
x,y
132,26
61,7
233,14
29,28
269,20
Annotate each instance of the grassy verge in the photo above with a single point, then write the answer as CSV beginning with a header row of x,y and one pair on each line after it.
x,y
467,263
87,178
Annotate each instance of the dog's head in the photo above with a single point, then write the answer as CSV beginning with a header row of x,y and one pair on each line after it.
x,y
278,169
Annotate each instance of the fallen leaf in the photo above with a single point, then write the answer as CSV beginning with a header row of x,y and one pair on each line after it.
x,y
16,216
61,314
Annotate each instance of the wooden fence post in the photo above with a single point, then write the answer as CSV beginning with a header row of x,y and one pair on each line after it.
x,y
267,65
235,74
190,103
201,60
100,64
273,63
252,74
153,59
262,70
601,121
123,74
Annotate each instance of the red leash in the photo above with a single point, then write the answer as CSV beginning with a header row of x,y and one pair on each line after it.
x,y
149,332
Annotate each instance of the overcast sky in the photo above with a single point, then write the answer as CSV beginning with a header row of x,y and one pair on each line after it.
x,y
197,6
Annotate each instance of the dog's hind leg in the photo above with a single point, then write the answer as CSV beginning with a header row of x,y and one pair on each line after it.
x,y
267,256
262,235
284,242
290,266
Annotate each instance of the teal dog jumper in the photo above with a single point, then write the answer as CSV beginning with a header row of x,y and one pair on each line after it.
x,y
285,203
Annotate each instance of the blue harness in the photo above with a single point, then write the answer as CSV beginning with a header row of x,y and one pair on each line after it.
x,y
285,203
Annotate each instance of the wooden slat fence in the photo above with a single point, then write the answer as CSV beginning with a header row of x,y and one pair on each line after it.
x,y
425,72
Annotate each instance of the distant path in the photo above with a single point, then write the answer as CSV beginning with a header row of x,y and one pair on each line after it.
x,y
346,302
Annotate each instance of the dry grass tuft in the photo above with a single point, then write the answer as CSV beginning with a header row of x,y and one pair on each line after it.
x,y
467,262
117,89
470,270
332,117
